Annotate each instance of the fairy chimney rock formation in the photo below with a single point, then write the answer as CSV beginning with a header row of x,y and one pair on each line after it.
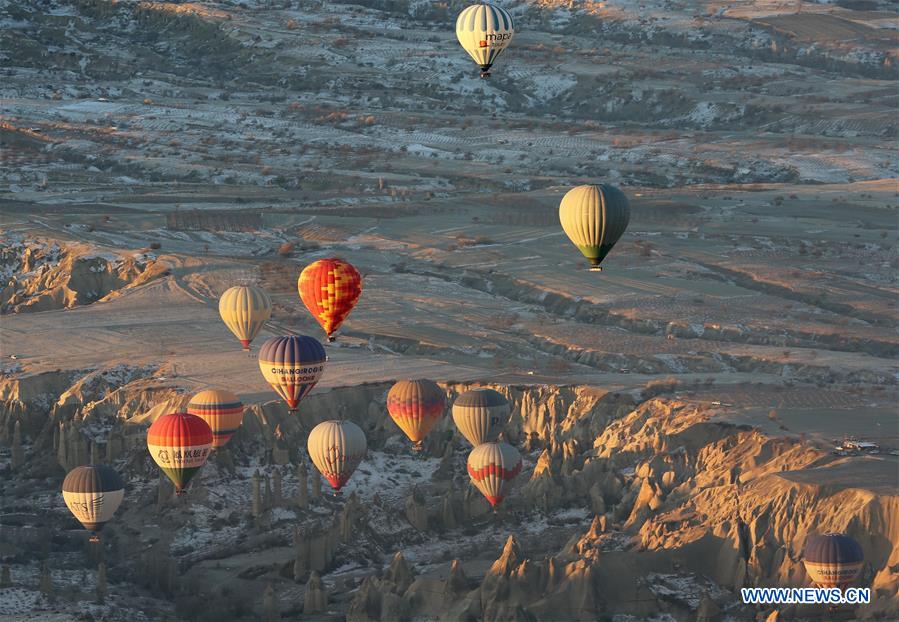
x,y
315,599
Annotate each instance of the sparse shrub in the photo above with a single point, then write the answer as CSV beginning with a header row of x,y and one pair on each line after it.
x,y
148,101
292,24
155,245
286,249
660,386
772,415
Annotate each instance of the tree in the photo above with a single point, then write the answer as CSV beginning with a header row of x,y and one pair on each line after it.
x,y
46,584
101,583
18,454
270,610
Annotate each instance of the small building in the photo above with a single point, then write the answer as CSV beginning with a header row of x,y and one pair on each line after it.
x,y
864,447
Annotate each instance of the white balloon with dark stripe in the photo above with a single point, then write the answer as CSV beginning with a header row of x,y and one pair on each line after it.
x,y
93,494
481,414
484,31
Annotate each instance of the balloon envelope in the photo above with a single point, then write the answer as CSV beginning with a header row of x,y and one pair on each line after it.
x,y
832,559
221,410
336,449
244,310
93,494
416,406
292,366
179,443
484,31
492,466
594,218
330,289
481,414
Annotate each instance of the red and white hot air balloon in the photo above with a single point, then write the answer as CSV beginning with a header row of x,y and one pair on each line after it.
x,y
336,449
492,467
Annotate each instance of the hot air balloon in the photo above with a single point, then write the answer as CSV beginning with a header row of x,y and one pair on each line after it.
x,y
180,444
833,559
336,449
93,494
416,406
594,218
221,410
292,366
244,309
481,414
330,289
491,467
484,31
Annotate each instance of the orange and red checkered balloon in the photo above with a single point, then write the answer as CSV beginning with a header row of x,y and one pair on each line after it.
x,y
330,288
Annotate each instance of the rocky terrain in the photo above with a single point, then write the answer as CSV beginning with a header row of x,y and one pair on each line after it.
x,y
676,414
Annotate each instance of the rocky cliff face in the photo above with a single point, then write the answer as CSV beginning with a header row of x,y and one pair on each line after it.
x,y
38,275
662,507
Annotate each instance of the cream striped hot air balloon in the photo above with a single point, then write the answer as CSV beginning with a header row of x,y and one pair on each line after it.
x,y
222,410
416,406
492,466
336,449
481,414
484,31
594,218
244,310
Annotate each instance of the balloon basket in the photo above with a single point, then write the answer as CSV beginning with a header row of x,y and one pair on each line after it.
x,y
595,269
180,493
94,538
331,339
485,74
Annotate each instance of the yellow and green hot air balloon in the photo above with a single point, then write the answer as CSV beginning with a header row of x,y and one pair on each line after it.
x,y
594,218
222,410
180,444
244,310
